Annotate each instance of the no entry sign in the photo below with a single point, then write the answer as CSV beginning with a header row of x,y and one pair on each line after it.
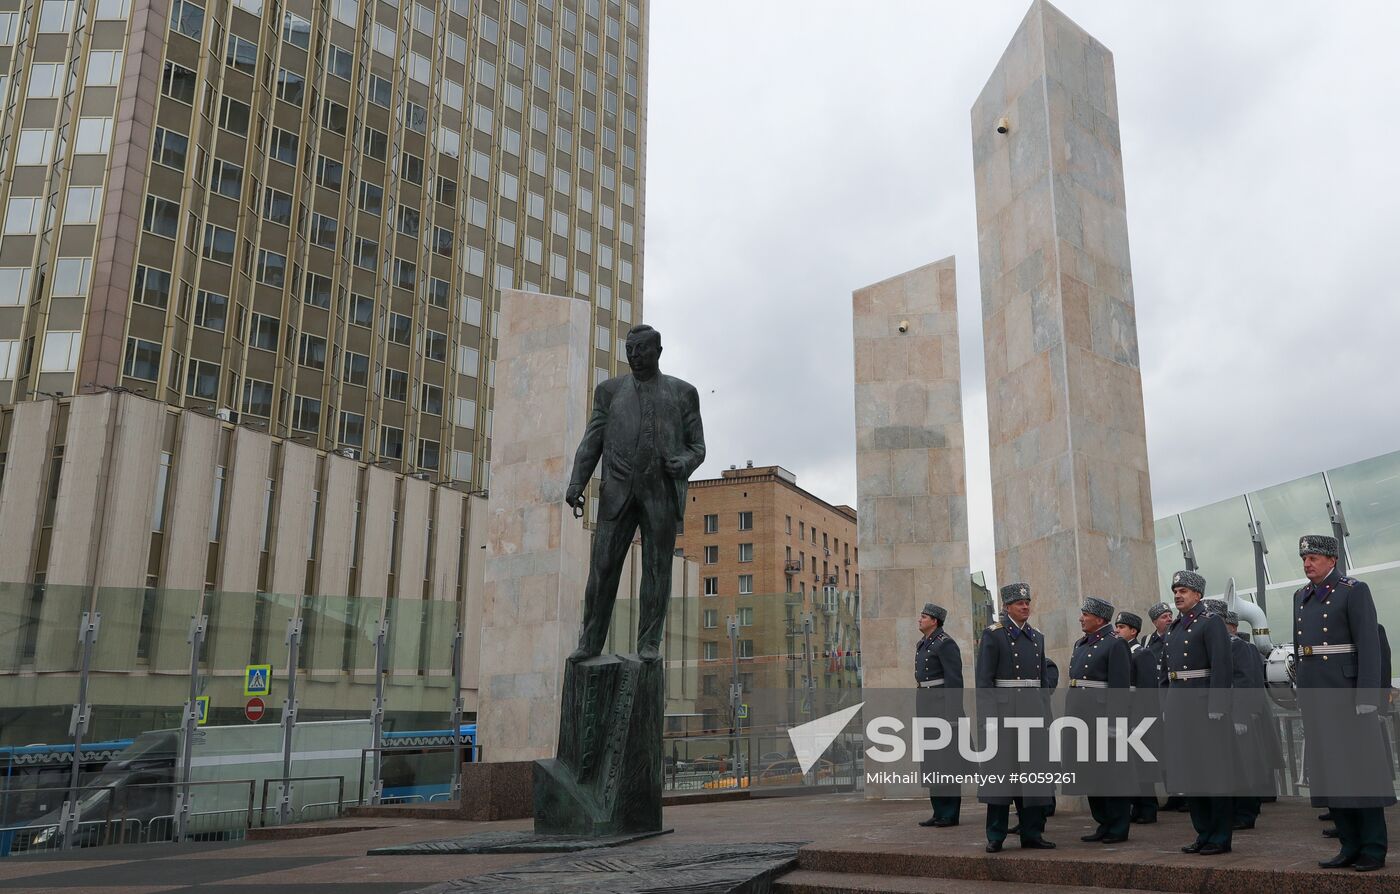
x,y
254,709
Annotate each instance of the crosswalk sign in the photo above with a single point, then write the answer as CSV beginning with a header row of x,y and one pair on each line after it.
x,y
201,704
257,680
744,711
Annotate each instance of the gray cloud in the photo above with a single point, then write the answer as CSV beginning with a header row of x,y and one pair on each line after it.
x,y
800,150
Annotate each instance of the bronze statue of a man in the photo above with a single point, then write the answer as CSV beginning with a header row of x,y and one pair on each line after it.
x,y
646,430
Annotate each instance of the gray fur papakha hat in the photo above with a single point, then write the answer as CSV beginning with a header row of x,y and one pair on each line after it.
x,y
1190,580
1158,610
937,612
1232,618
1095,606
1318,545
1015,593
1218,606
1132,620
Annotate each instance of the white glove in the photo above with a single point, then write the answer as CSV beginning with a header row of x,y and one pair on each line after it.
x,y
1241,729
1362,710
1215,715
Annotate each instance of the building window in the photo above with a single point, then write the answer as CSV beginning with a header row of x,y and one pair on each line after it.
x,y
329,172
712,555
746,616
60,352
352,429
152,287
296,31
435,346
395,384
264,332
306,414
177,82
210,309
71,276
202,380
317,291
257,398
188,19
339,62
94,136
371,198
272,268
391,442
291,87
219,244
711,524
105,70
241,55
430,399
746,521
142,360
162,217
711,651
711,618
312,351
83,205
711,586
745,648
746,552
429,454
284,146
35,146
400,328
227,179
355,369
787,528
234,116
746,585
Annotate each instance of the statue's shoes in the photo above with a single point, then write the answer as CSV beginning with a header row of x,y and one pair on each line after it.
x,y
649,654
582,654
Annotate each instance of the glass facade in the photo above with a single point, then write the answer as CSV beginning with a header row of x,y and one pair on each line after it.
x,y
1368,494
302,215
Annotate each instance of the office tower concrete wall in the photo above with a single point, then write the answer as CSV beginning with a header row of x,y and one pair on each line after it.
x,y
911,483
1071,496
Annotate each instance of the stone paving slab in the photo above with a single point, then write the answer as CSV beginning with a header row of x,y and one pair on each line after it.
x,y
728,868
522,841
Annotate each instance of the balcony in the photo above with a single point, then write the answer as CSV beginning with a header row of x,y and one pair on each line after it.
x,y
792,566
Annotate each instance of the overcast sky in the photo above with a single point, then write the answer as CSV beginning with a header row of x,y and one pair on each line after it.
x,y
800,150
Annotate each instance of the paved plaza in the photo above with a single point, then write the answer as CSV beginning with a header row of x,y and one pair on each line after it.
x,y
854,845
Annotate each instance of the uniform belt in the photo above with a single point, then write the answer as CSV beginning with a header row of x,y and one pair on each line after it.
x,y
1089,684
1341,649
1189,675
925,684
1018,684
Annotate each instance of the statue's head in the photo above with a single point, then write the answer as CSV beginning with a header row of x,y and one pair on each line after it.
x,y
643,349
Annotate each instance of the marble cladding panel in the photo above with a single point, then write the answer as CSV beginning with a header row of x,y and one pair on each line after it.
x,y
911,481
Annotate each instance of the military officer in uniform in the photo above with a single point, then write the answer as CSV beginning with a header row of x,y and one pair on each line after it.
x,y
1160,615
1254,765
1099,667
1011,660
1336,642
1197,672
938,674
1143,684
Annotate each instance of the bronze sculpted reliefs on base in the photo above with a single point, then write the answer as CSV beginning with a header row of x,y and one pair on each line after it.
x,y
645,429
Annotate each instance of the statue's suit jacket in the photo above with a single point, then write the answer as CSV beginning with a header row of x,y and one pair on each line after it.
x,y
615,427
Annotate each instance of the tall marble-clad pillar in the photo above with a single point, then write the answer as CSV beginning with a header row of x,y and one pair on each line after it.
x,y
536,551
1071,496
911,485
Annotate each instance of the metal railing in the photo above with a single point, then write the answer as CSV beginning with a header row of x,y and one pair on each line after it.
x,y
375,793
115,826
339,801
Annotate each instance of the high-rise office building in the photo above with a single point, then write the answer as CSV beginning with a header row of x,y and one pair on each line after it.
x,y
300,215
